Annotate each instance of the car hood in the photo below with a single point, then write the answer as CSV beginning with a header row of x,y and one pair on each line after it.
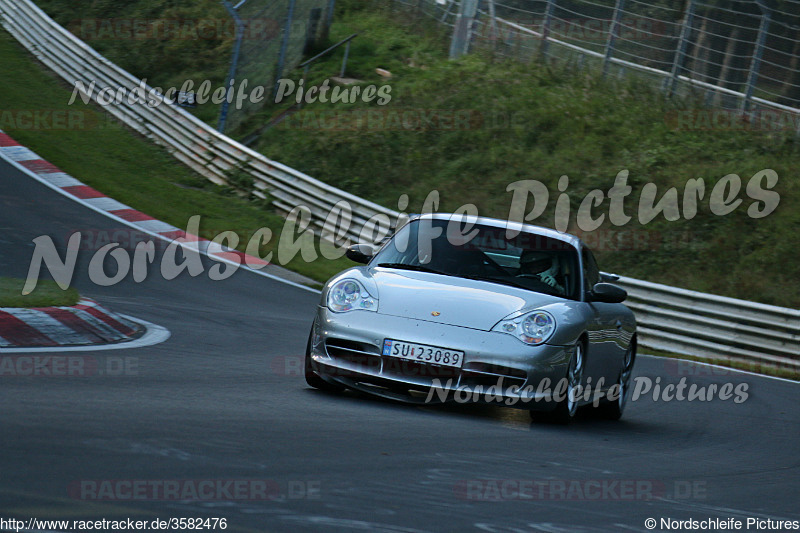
x,y
451,300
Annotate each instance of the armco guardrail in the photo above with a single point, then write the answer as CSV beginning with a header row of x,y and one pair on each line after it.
x,y
191,141
671,319
701,324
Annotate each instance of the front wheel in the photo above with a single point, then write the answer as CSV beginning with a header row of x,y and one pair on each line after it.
x,y
312,378
568,405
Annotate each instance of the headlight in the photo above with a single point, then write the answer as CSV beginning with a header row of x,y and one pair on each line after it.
x,y
347,295
531,328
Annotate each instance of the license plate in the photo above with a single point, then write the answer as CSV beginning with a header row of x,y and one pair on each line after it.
x,y
422,353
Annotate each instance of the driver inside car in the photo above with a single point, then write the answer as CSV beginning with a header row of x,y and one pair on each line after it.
x,y
541,266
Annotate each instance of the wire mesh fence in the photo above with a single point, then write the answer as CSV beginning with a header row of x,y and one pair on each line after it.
x,y
737,55
443,11
274,36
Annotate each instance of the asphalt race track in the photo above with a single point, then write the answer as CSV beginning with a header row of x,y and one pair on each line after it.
x,y
223,400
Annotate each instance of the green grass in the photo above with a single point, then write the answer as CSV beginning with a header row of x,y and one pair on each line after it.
x,y
46,294
128,167
565,122
528,121
199,49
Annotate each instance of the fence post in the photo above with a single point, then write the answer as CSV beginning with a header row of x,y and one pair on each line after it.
x,y
284,45
223,114
548,15
462,29
328,20
612,34
493,33
752,76
683,43
344,60
446,10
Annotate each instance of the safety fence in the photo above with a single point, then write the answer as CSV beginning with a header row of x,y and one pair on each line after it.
x,y
672,319
271,38
743,56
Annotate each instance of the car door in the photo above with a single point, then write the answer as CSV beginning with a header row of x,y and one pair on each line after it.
x,y
603,355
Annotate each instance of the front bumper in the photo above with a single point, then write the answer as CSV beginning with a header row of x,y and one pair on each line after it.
x,y
346,348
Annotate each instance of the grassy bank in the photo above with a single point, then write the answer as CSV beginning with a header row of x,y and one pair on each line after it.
x,y
124,165
470,128
163,42
46,294
538,122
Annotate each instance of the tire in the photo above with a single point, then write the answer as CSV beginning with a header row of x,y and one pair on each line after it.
x,y
613,409
312,378
566,408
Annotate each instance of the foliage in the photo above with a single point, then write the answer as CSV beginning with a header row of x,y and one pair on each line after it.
x,y
530,121
526,121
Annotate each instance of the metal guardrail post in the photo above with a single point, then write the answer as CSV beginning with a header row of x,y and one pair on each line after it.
x,y
287,30
344,60
683,43
752,76
613,32
548,15
305,65
233,10
462,29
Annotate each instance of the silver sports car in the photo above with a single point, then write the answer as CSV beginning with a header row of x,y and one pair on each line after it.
x,y
458,308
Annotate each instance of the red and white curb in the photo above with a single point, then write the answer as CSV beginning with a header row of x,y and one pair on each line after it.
x,y
51,176
85,323
56,179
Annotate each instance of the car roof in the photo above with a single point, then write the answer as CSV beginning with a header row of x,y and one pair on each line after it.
x,y
505,224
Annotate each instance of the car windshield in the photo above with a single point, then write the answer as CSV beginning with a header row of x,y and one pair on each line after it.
x,y
474,251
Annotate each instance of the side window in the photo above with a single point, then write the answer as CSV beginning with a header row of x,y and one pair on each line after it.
x,y
591,273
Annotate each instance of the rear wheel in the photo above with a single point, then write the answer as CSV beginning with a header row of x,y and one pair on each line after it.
x,y
568,405
312,378
613,408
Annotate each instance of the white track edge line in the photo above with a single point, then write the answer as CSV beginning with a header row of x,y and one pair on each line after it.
x,y
728,368
151,233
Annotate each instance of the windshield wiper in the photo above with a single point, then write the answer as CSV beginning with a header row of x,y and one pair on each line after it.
x,y
503,281
514,283
417,268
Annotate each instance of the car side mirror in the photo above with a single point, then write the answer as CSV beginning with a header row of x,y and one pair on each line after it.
x,y
360,253
608,293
